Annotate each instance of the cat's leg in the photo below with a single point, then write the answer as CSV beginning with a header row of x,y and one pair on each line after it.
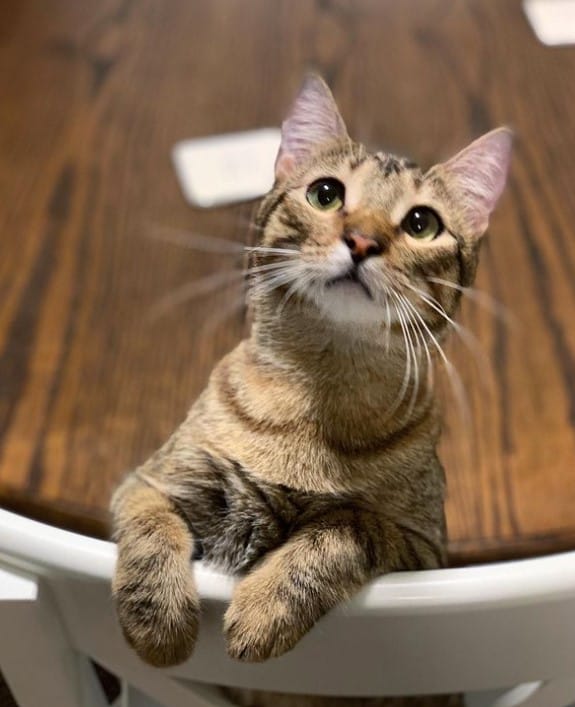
x,y
323,563
156,598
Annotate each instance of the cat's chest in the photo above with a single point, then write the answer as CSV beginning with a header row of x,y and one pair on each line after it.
x,y
305,460
236,519
325,454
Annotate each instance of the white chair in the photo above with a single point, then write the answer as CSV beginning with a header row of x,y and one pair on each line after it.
x,y
458,630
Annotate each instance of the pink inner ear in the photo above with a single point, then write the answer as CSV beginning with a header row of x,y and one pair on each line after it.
x,y
313,120
285,163
479,173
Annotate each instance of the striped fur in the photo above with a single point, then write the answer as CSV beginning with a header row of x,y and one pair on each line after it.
x,y
308,464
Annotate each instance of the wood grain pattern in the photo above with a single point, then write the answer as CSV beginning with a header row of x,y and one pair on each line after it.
x,y
92,97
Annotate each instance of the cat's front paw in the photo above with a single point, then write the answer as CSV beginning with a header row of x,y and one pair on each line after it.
x,y
161,626
258,625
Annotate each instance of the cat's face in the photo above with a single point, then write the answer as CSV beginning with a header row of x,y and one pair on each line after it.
x,y
370,238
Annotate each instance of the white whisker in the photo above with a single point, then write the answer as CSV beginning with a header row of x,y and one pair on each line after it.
x,y
464,334
415,390
194,241
264,250
452,373
300,282
387,319
279,265
481,298
407,371
421,336
213,323
193,289
273,281
209,283
278,278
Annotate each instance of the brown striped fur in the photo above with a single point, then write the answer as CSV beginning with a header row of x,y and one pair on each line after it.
x,y
302,466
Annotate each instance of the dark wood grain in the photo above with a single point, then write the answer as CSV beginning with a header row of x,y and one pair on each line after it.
x,y
92,97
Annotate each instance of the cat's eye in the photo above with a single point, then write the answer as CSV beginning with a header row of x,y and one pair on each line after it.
x,y
326,194
422,223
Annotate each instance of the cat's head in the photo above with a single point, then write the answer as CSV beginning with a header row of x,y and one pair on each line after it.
x,y
369,238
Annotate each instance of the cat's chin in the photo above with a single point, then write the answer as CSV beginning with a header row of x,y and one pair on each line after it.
x,y
348,303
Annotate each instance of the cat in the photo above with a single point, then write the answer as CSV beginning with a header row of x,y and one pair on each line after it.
x,y
308,465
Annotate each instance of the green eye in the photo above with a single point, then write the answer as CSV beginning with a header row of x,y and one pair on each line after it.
x,y
326,194
422,223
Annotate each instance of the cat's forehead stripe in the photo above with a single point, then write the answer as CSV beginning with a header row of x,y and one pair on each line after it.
x,y
358,155
356,161
390,164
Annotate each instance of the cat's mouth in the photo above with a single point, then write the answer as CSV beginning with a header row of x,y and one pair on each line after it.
x,y
353,277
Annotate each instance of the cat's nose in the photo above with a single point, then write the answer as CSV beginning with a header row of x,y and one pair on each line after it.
x,y
361,247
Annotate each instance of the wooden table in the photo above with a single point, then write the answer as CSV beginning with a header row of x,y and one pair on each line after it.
x,y
94,94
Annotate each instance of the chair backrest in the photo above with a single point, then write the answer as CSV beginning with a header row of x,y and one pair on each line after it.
x,y
409,633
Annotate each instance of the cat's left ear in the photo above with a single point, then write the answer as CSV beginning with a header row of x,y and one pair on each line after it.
x,y
313,120
478,174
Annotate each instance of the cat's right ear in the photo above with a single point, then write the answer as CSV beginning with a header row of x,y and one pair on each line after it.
x,y
313,119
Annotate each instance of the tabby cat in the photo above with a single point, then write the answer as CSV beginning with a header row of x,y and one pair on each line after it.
x,y
308,465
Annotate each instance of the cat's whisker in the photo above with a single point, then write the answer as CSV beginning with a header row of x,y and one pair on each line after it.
x,y
411,365
455,381
264,250
483,299
272,272
191,290
272,283
416,350
304,279
193,240
407,371
274,280
279,265
213,323
389,292
206,285
387,320
285,265
472,343
272,276
423,341
429,360
464,333
415,358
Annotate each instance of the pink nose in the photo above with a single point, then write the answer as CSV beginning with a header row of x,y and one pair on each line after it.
x,y
361,247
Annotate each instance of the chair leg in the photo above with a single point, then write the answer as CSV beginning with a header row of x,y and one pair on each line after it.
x,y
147,687
175,694
139,699
36,658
